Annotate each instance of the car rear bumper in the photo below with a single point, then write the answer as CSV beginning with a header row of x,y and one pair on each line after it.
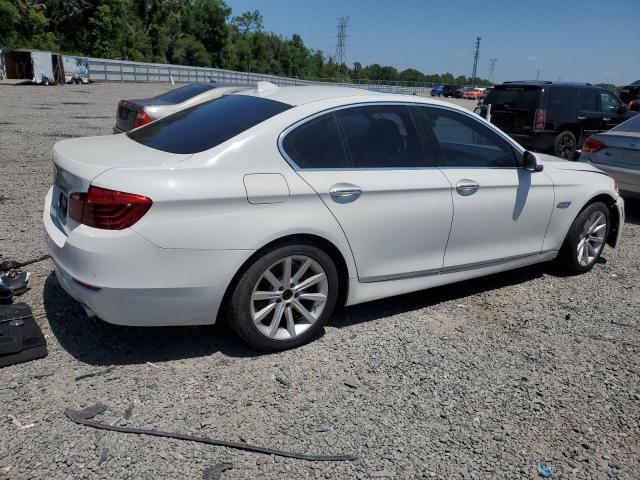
x,y
124,279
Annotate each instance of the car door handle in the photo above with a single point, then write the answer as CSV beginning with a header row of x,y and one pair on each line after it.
x,y
607,119
345,193
582,118
467,187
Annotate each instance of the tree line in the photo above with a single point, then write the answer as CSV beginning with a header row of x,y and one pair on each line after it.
x,y
201,33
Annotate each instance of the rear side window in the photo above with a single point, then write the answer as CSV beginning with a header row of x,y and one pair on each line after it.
x,y
381,136
316,144
516,97
465,142
587,100
561,98
207,125
181,94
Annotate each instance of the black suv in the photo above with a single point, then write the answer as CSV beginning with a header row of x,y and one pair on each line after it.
x,y
629,93
553,117
450,90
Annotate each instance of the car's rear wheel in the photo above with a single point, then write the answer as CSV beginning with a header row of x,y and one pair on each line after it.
x,y
586,238
565,146
284,298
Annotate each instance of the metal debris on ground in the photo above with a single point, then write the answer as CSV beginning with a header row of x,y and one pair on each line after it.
x,y
19,424
84,417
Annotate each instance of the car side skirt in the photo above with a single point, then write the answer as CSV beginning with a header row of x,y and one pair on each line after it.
x,y
361,291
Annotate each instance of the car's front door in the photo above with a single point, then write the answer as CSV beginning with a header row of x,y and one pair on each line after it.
x,y
368,166
501,211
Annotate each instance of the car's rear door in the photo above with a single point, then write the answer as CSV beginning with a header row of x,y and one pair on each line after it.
x,y
611,110
501,211
589,114
368,166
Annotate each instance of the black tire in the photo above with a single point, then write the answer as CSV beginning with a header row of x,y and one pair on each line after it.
x,y
238,308
565,146
568,256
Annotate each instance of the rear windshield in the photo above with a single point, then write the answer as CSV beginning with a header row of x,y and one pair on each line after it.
x,y
631,125
181,94
522,97
207,125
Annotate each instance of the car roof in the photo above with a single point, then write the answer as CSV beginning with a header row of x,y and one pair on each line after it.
x,y
306,94
302,95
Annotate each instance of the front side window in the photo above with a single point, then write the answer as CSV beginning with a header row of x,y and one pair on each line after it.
x,y
465,142
316,144
380,136
208,124
609,102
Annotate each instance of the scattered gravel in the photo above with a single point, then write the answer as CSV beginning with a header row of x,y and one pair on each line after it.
x,y
478,380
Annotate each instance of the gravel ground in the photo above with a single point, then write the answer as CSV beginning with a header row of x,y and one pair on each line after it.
x,y
477,380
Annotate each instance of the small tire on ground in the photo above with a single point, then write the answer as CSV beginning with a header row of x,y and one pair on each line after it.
x,y
568,256
238,312
565,145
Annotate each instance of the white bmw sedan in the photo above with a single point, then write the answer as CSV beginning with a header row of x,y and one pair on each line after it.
x,y
271,206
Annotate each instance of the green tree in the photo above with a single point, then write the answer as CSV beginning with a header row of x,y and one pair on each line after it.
x,y
248,22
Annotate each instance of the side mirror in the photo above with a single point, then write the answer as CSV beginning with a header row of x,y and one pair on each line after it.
x,y
530,162
622,109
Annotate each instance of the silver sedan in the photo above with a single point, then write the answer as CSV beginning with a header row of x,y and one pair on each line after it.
x,y
617,152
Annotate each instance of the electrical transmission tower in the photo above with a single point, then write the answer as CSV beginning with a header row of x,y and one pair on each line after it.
x,y
538,74
475,61
340,56
492,68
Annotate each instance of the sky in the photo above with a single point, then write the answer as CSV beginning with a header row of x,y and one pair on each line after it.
x,y
570,40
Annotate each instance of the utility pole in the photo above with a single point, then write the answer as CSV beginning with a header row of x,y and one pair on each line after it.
x,y
475,62
340,56
492,68
538,71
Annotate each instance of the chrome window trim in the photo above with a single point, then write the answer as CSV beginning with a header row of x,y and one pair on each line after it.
x,y
302,121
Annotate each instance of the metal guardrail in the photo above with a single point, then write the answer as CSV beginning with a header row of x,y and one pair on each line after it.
x,y
105,70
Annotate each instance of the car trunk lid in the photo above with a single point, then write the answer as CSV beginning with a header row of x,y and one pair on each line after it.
x,y
77,162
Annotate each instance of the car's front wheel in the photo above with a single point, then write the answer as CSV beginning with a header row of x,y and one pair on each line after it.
x,y
586,238
284,298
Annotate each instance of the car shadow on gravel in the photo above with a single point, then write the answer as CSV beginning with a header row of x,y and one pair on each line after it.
x,y
95,342
632,211
427,298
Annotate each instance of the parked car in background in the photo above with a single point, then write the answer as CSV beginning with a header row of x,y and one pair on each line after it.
x,y
449,90
553,117
473,94
437,91
617,152
135,113
262,205
631,92
459,92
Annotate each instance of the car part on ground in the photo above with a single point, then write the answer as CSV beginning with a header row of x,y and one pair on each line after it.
x,y
21,337
264,205
553,117
85,416
617,152
16,281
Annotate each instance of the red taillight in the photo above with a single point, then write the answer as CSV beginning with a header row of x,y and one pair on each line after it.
x,y
540,120
107,209
591,145
142,118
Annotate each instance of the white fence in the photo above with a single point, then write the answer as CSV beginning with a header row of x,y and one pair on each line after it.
x,y
104,70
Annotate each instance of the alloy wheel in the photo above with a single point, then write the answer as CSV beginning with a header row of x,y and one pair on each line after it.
x,y
592,238
567,147
289,297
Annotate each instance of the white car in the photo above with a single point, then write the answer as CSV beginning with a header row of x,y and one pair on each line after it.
x,y
272,205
